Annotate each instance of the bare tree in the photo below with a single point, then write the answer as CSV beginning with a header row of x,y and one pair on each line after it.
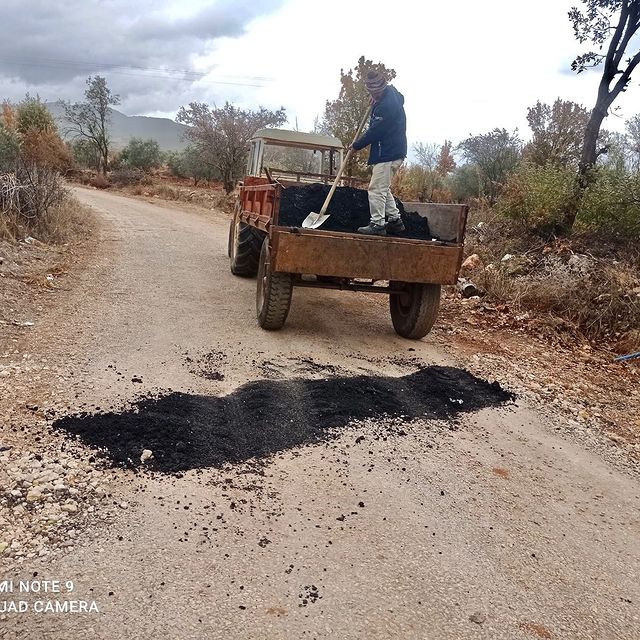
x,y
90,120
221,135
427,154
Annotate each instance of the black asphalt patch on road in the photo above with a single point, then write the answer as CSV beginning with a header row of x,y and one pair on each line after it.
x,y
188,431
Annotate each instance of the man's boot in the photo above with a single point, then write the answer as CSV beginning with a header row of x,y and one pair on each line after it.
x,y
395,226
373,229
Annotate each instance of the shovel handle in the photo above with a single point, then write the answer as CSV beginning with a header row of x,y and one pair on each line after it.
x,y
343,166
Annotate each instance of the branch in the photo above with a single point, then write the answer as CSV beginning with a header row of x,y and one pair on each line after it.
x,y
625,16
624,79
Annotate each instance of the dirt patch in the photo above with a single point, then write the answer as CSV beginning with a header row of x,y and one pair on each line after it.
x,y
31,273
576,379
536,629
349,209
265,417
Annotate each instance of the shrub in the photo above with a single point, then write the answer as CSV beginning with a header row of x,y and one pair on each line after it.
x,y
99,182
598,299
612,203
189,164
85,154
416,183
126,176
141,154
31,156
535,196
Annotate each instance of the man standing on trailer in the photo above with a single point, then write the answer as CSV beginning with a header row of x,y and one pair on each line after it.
x,y
387,135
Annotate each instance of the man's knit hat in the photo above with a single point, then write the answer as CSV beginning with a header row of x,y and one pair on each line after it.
x,y
375,82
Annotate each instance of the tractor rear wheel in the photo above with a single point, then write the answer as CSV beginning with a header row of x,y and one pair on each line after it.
x,y
245,243
414,310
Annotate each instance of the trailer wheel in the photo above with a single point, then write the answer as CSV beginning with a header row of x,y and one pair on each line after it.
x,y
415,309
244,247
273,296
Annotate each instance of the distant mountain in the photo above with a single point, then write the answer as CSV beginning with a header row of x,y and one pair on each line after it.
x,y
167,133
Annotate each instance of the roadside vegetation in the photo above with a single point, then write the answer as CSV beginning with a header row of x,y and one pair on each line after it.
x,y
33,158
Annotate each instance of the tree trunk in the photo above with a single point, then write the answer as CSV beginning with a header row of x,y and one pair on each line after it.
x,y
104,159
625,30
585,175
228,182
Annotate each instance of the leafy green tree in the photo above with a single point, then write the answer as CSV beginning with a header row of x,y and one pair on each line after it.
x,y
142,154
90,120
188,163
85,153
466,182
633,137
618,156
221,135
496,154
342,116
558,133
33,115
614,24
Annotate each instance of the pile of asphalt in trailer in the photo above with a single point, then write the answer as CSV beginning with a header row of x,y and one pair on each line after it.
x,y
187,431
349,209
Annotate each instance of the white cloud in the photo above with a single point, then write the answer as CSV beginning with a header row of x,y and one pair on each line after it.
x,y
464,67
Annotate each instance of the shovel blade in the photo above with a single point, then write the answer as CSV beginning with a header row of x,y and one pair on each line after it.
x,y
314,220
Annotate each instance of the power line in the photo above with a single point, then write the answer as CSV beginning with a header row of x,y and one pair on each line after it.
x,y
138,71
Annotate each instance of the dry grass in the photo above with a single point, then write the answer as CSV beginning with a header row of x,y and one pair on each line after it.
x,y
205,197
60,224
589,283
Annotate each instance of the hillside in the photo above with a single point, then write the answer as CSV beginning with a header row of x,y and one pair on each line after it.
x,y
166,132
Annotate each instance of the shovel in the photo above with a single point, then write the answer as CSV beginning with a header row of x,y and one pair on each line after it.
x,y
314,220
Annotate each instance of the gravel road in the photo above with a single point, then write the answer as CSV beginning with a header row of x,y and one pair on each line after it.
x,y
273,502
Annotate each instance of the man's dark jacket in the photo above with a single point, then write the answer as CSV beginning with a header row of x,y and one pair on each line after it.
x,y
387,132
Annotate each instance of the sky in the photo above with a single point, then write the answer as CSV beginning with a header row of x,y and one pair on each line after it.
x,y
464,67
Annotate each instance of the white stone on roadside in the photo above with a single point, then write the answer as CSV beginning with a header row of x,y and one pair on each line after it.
x,y
69,507
124,505
146,454
34,494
